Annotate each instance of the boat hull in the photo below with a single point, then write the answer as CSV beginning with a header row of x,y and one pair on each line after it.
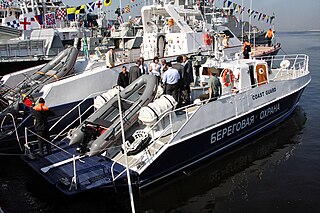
x,y
218,140
192,151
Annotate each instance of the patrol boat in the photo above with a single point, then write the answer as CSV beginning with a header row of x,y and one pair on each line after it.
x,y
257,95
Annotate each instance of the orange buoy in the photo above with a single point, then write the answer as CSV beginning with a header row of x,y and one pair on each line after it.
x,y
227,77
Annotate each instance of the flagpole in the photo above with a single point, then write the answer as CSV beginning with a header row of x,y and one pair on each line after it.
x,y
250,21
125,153
242,27
123,45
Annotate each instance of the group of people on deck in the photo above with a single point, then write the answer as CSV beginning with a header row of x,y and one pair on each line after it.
x,y
175,77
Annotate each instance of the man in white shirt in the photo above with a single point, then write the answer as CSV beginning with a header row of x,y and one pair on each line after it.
x,y
171,79
110,58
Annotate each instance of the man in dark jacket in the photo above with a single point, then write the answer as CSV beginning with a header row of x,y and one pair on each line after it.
x,y
188,79
178,66
123,78
134,72
41,114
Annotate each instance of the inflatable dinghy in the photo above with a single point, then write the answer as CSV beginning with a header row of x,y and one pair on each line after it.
x,y
102,129
58,67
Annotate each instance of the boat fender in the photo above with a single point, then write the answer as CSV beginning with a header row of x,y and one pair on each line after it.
x,y
150,114
100,100
173,106
227,77
154,112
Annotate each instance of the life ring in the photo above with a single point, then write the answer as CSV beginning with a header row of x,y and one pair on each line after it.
x,y
227,80
207,39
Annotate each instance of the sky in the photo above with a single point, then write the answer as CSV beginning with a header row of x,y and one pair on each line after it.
x,y
291,15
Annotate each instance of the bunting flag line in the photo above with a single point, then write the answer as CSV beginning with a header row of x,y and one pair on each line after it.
x,y
229,3
98,4
13,24
127,9
25,23
61,14
71,13
234,6
256,15
224,3
137,20
91,6
107,2
50,20
80,9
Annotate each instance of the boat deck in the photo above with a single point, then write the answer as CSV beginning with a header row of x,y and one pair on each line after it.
x,y
57,168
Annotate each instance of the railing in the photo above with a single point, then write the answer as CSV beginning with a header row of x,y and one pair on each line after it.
x,y
166,116
78,109
297,62
47,168
14,125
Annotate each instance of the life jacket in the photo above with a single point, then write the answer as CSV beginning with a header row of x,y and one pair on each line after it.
x,y
40,107
27,102
269,34
246,47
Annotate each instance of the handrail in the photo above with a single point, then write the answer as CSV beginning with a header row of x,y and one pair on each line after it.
x,y
45,169
76,107
15,128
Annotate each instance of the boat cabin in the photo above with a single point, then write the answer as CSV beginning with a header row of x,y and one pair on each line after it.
x,y
175,29
235,76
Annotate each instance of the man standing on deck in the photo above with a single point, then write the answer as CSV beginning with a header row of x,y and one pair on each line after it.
x,y
246,49
170,80
41,114
270,36
134,72
215,88
123,78
110,58
188,79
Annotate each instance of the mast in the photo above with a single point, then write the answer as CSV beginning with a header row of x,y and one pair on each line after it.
x,y
249,36
242,27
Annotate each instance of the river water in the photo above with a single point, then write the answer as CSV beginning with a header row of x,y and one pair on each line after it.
x,y
278,172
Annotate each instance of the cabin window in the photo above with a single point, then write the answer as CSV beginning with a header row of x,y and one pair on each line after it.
x,y
228,33
252,79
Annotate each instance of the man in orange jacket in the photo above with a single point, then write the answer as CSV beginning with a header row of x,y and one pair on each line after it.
x,y
41,114
270,36
246,49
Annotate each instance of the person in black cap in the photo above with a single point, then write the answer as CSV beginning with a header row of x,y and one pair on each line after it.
x,y
41,114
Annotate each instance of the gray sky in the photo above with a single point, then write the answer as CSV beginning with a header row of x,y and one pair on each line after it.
x,y
291,15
